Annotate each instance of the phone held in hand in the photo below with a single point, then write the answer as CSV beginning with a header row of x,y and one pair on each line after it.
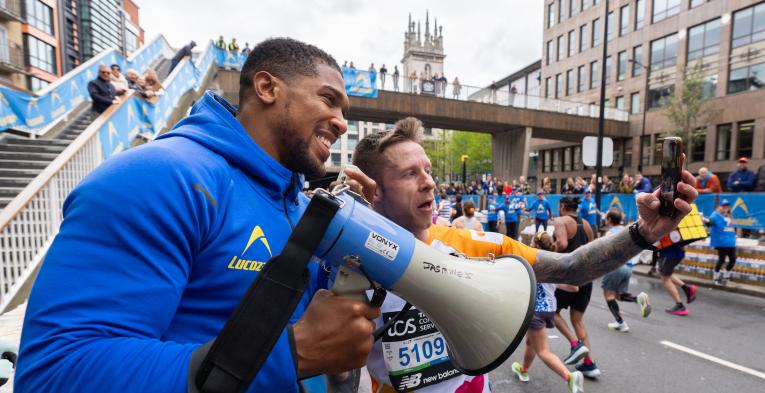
x,y
671,174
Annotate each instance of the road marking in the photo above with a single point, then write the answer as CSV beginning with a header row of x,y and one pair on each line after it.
x,y
714,359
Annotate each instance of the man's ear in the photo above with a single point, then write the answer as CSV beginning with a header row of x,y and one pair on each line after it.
x,y
378,194
266,87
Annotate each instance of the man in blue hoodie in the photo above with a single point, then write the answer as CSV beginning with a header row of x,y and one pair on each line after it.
x,y
159,244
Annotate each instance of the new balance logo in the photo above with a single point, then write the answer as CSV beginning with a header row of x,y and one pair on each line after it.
x,y
410,381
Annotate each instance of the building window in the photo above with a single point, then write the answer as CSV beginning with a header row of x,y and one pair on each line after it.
x,y
571,42
40,54
569,82
35,84
550,15
580,82
746,78
546,161
634,103
582,38
39,15
335,159
624,20
637,60
548,87
745,135
749,25
549,52
645,142
621,65
611,27
620,103
709,87
573,8
593,74
561,10
561,49
577,158
567,159
698,145
660,96
696,3
558,85
704,39
639,14
353,140
556,160
663,9
658,147
627,153
596,33
664,52
722,153
608,70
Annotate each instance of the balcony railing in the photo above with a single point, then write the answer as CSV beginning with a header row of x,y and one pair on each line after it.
x,y
10,10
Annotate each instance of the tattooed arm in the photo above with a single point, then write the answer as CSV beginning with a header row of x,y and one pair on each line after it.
x,y
586,262
607,253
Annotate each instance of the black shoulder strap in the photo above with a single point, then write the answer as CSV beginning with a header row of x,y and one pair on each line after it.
x,y
251,332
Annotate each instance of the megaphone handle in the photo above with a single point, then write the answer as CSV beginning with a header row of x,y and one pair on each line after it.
x,y
381,330
351,284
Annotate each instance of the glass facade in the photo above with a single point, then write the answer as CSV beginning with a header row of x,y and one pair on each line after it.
x,y
39,15
635,103
746,78
664,52
749,25
663,9
624,20
722,153
101,26
40,54
745,139
704,39
637,63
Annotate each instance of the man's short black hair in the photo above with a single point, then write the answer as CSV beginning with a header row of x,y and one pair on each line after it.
x,y
284,58
117,66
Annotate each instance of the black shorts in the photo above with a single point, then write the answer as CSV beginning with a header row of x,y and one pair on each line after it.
x,y
542,319
576,300
667,266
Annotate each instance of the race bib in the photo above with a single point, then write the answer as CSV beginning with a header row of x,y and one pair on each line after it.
x,y
415,352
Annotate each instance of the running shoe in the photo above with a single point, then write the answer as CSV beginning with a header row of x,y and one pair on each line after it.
x,y
645,303
678,309
523,376
619,327
576,382
578,352
690,293
590,371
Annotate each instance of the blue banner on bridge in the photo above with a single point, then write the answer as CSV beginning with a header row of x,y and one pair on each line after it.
x,y
29,112
360,83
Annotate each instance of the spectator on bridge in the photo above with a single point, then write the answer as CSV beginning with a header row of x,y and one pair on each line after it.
x,y
345,65
513,92
152,82
493,92
642,184
625,186
569,187
742,180
437,83
118,80
456,88
135,82
233,46
372,69
444,83
607,187
181,54
221,43
413,82
383,73
246,50
707,182
101,90
722,237
351,66
395,78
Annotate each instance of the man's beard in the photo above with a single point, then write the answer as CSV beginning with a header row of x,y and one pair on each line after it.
x,y
299,158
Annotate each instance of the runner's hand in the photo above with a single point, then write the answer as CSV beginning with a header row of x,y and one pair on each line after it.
x,y
654,225
334,335
359,183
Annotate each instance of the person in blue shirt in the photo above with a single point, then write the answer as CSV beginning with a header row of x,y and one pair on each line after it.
x,y
642,184
722,237
492,209
542,211
513,207
742,180
588,210
159,244
668,259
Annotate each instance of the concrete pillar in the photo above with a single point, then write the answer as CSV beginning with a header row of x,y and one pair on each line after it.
x,y
510,153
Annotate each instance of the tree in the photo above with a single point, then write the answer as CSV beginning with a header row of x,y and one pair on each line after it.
x,y
689,109
446,148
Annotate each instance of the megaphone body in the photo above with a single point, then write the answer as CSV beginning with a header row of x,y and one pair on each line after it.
x,y
481,307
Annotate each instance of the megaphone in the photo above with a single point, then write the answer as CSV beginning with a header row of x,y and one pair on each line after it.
x,y
481,307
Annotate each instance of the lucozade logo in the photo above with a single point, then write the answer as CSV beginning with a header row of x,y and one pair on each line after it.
x,y
240,262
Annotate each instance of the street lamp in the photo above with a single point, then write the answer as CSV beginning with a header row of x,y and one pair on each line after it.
x,y
645,110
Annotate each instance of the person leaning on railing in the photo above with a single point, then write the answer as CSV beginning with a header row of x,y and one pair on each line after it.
x,y
101,90
137,83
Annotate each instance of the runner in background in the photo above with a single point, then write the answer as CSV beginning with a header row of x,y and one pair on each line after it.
x,y
668,259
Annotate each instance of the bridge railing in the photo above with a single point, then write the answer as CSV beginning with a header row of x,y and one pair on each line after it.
x,y
31,220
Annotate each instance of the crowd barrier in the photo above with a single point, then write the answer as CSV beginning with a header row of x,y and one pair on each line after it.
x,y
32,113
747,209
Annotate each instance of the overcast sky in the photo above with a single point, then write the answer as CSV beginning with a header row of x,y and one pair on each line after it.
x,y
484,40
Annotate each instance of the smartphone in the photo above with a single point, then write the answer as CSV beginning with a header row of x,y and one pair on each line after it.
x,y
671,173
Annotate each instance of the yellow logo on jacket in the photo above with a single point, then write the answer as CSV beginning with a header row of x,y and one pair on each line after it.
x,y
239,262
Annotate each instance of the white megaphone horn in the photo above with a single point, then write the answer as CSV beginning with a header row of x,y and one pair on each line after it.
x,y
481,307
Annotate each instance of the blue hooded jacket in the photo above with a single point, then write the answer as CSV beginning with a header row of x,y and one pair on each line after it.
x,y
155,251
